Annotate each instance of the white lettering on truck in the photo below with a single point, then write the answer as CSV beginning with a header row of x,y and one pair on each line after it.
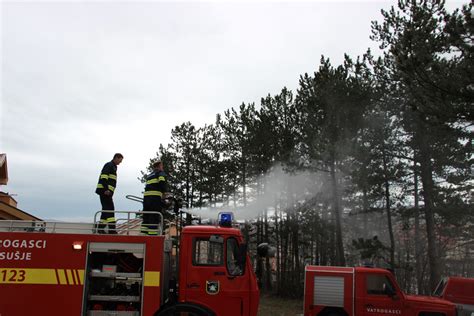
x,y
16,243
371,309
12,254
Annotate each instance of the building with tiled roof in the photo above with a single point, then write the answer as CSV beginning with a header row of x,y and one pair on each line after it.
x,y
8,205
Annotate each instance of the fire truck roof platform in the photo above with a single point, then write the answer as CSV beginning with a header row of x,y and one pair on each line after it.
x,y
127,223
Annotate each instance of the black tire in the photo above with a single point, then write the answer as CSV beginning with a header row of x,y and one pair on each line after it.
x,y
184,310
332,313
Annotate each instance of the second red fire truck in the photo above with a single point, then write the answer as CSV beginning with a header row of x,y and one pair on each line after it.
x,y
362,291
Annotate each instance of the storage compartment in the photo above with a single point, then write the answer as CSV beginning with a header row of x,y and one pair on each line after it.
x,y
114,283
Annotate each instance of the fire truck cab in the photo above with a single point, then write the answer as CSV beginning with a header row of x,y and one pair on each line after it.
x,y
361,291
459,291
48,269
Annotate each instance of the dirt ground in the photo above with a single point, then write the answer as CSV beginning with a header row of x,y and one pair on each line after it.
x,y
273,306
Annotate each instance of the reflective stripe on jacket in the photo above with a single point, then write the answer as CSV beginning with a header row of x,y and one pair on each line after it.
x,y
155,184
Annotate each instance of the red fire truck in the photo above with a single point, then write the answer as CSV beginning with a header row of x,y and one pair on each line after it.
x,y
68,269
361,291
55,269
459,291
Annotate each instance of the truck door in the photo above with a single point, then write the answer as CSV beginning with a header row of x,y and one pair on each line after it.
x,y
378,296
214,278
238,282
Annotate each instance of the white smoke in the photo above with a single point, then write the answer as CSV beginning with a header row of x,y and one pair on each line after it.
x,y
275,186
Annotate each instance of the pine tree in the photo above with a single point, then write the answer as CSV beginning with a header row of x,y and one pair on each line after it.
x,y
424,69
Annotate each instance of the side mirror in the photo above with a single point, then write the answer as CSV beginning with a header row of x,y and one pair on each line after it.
x,y
390,291
265,250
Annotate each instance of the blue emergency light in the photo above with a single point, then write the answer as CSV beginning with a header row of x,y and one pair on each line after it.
x,y
225,219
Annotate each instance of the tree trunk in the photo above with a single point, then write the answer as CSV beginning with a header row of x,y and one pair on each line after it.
x,y
244,179
236,186
268,279
284,255
278,248
188,193
428,194
337,214
312,231
325,236
296,266
259,268
365,210
387,208
418,254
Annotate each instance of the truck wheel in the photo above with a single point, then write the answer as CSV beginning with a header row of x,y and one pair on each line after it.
x,y
332,313
184,310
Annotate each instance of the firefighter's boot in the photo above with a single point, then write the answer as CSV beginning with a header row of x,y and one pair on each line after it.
x,y
112,228
100,228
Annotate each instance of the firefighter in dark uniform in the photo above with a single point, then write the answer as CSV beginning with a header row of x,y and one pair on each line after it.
x,y
105,190
154,199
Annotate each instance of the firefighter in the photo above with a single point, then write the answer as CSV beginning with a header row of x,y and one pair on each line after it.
x,y
154,199
105,190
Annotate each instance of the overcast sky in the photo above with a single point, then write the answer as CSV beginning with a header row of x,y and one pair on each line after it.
x,y
83,80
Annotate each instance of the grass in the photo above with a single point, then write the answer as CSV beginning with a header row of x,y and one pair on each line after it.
x,y
275,306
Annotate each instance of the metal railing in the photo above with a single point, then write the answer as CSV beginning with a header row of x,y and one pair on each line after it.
x,y
46,226
134,198
129,224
